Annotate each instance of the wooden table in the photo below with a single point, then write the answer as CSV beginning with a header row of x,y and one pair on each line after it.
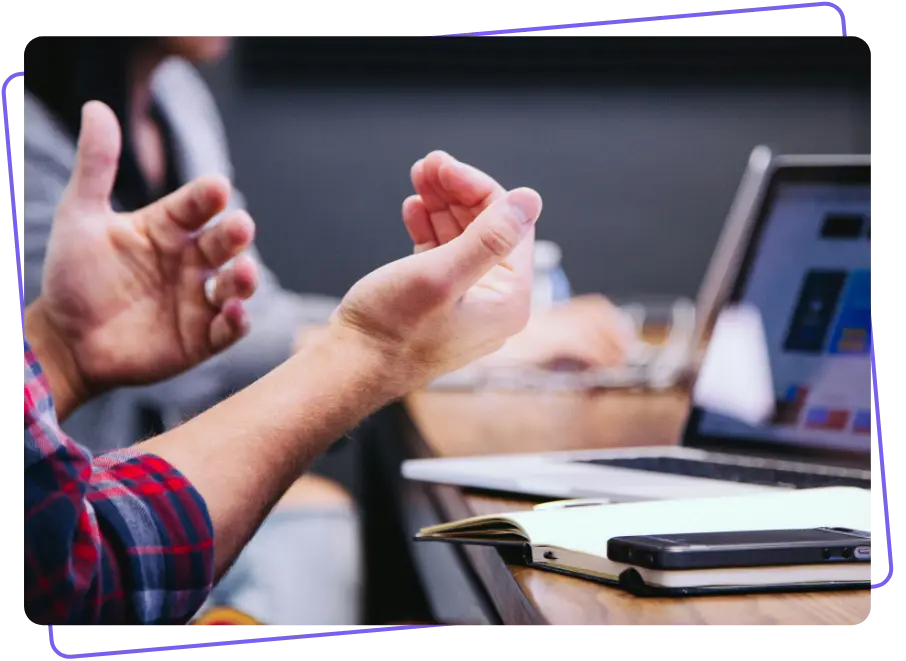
x,y
457,424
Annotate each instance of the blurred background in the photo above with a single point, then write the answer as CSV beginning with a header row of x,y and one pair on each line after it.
x,y
636,145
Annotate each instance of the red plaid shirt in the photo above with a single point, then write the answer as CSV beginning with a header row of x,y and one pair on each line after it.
x,y
120,539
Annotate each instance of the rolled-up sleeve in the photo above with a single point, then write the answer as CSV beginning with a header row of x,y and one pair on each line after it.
x,y
123,538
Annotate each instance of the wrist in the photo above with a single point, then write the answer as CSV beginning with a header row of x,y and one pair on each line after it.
x,y
67,384
370,368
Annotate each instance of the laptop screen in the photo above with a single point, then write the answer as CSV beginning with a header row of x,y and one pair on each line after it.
x,y
808,272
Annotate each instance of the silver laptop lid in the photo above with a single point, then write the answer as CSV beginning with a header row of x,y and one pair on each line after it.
x,y
797,247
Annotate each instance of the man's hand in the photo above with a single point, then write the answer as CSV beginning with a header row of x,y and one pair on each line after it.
x,y
586,332
449,195
123,298
465,291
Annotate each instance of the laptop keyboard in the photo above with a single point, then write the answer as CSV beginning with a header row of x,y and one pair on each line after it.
x,y
733,472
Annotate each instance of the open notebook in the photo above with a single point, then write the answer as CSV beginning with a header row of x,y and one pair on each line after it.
x,y
573,540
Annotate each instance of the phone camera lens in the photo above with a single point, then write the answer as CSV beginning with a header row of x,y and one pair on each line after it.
x,y
847,553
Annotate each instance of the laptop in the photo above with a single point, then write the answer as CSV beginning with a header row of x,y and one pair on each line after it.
x,y
796,248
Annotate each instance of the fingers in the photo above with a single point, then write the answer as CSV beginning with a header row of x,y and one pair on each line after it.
x,y
226,239
451,193
430,175
239,281
423,185
468,185
97,157
418,224
185,211
438,202
442,180
230,325
492,239
231,286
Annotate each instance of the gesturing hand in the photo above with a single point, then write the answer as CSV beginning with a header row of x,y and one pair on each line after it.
x,y
449,195
123,298
465,291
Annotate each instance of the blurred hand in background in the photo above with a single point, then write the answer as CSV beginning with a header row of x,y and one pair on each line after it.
x,y
586,332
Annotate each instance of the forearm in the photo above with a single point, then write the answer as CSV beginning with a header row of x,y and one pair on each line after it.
x,y
245,452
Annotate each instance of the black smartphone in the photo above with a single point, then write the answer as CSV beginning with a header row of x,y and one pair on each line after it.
x,y
757,548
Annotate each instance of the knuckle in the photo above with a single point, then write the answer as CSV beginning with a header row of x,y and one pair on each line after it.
x,y
498,239
227,285
197,201
223,238
214,243
189,206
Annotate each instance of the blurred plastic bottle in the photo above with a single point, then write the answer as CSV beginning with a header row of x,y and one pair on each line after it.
x,y
550,284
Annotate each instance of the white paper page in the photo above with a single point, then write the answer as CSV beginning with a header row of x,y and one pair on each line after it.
x,y
588,529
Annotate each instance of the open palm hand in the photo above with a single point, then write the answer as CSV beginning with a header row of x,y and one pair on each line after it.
x,y
126,292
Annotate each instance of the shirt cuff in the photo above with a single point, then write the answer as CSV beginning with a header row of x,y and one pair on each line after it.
x,y
166,549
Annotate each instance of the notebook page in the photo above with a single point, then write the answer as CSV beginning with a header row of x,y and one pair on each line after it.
x,y
588,529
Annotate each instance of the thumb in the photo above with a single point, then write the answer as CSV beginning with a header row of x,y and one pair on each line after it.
x,y
97,157
492,239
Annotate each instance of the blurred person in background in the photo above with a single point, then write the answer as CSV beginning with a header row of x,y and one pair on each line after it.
x,y
172,134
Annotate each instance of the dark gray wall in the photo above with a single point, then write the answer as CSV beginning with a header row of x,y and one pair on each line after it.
x,y
636,181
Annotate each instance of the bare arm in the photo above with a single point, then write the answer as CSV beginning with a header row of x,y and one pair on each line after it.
x,y
245,452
